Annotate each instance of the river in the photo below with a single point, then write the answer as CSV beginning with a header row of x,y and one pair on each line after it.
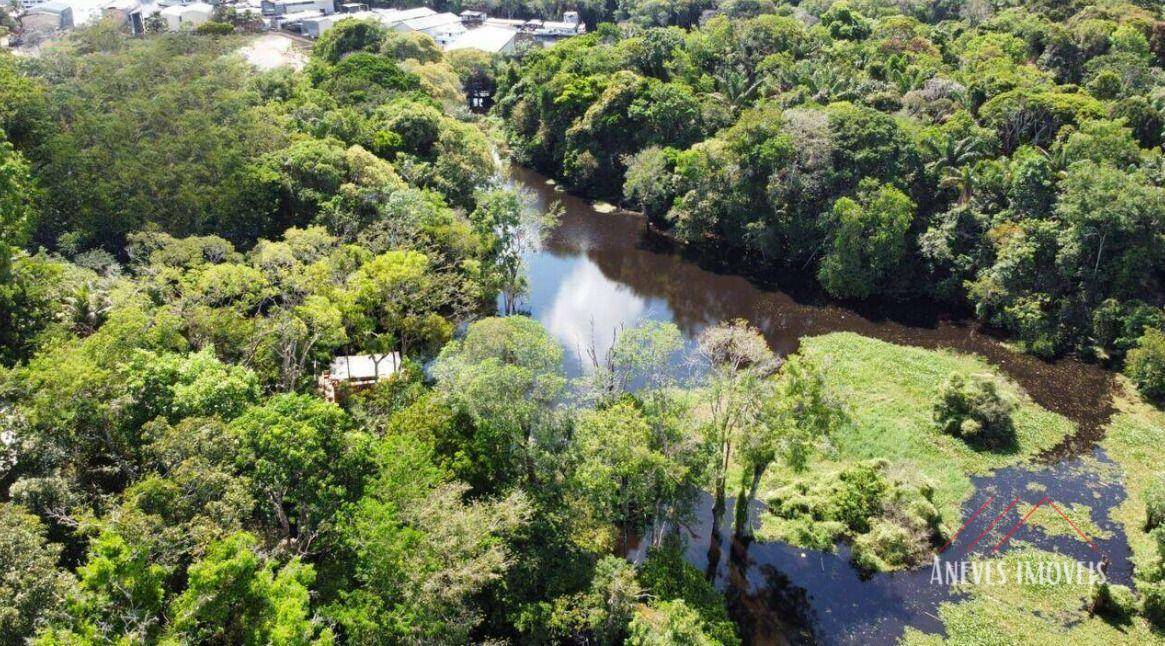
x,y
600,270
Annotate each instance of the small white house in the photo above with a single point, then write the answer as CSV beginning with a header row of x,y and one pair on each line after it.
x,y
359,371
186,16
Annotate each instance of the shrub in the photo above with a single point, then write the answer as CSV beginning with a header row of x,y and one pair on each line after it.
x,y
214,28
885,547
1154,603
888,515
1155,504
1110,600
1146,365
973,409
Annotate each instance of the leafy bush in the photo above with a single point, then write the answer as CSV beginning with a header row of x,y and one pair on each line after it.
x,y
669,623
973,409
890,519
214,28
1155,504
1154,602
885,547
1146,365
1110,600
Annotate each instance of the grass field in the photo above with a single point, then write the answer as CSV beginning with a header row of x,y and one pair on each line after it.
x,y
1031,614
1135,440
1025,614
889,391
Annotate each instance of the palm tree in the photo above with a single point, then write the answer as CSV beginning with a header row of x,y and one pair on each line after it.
x,y
85,308
952,153
735,88
962,179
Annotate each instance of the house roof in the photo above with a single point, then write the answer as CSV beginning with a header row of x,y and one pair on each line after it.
x,y
422,23
358,367
55,6
392,16
487,38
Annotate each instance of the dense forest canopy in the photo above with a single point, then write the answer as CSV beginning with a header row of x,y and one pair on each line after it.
x,y
187,243
1004,157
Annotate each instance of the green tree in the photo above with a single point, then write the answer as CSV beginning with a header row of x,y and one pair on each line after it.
x,y
236,596
348,36
305,463
799,416
506,374
738,361
869,242
1145,365
120,595
421,551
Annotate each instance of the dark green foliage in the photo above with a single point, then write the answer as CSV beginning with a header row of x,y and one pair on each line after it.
x,y
174,147
1024,142
214,28
668,576
973,409
349,36
1146,364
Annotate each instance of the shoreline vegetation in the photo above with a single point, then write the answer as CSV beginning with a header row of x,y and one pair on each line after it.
x,y
889,392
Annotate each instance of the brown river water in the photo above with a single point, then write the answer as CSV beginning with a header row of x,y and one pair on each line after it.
x,y
598,271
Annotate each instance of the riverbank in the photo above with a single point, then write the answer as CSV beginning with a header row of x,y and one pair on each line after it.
x,y
598,271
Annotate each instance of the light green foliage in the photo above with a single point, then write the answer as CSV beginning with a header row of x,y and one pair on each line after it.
x,y
422,551
119,595
738,361
506,374
890,518
194,385
1155,504
669,623
889,391
622,470
237,596
667,576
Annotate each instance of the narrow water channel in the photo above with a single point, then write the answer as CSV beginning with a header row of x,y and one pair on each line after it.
x,y
597,271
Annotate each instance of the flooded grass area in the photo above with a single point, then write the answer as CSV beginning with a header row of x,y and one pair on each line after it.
x,y
599,271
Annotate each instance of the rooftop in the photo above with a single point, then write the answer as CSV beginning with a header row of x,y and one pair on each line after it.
x,y
361,367
487,38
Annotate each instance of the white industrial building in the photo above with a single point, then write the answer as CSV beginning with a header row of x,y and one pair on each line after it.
x,y
48,17
186,16
470,30
291,7
487,38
